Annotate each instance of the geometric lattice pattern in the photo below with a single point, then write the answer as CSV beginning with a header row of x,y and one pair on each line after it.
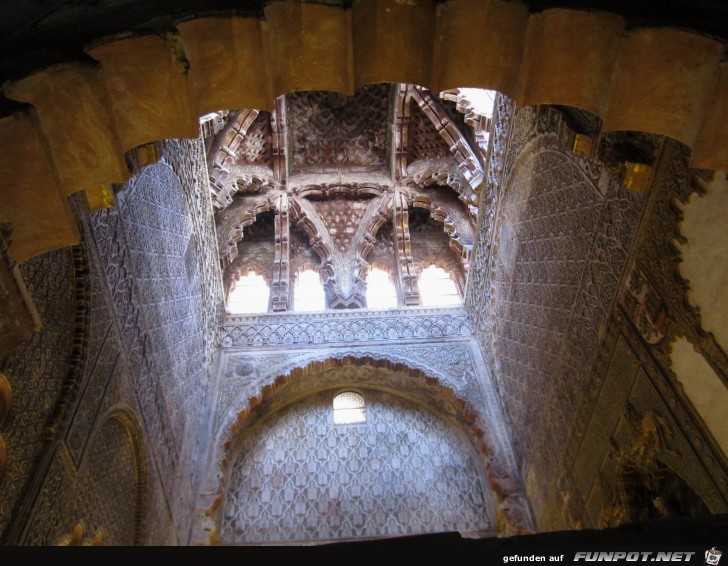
x,y
341,217
345,326
425,141
329,131
564,237
37,369
299,477
255,147
108,487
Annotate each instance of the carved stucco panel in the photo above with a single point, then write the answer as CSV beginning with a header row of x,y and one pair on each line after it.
x,y
403,471
246,375
332,327
547,269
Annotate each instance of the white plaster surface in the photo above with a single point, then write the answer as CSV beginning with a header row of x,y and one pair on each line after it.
x,y
705,255
703,387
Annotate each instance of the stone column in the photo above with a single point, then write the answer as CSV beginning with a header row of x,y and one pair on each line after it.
x,y
280,276
407,274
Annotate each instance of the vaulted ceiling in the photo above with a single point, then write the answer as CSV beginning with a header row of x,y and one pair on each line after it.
x,y
342,166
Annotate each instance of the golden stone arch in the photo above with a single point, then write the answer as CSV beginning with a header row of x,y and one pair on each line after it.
x,y
660,80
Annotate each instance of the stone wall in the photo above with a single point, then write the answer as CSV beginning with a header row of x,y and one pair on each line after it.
x,y
157,250
639,413
577,302
556,231
299,477
77,482
37,371
122,465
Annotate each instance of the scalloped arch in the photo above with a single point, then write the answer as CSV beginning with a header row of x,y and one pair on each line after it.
x,y
246,411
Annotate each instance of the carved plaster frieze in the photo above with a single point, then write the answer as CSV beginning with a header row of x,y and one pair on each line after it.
x,y
246,375
341,326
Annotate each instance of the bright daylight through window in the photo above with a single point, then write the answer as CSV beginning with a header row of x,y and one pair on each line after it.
x,y
349,408
308,293
381,293
250,295
437,289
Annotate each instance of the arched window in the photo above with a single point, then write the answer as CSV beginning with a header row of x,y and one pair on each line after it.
x,y
349,408
250,295
437,289
308,293
381,293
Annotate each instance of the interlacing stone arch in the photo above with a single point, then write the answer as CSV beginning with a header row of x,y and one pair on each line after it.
x,y
234,272
232,221
226,178
302,221
458,227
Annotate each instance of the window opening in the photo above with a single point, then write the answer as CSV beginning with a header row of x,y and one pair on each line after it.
x,y
349,408
308,293
437,288
381,293
250,295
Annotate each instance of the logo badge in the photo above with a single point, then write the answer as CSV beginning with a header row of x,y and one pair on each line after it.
x,y
712,556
